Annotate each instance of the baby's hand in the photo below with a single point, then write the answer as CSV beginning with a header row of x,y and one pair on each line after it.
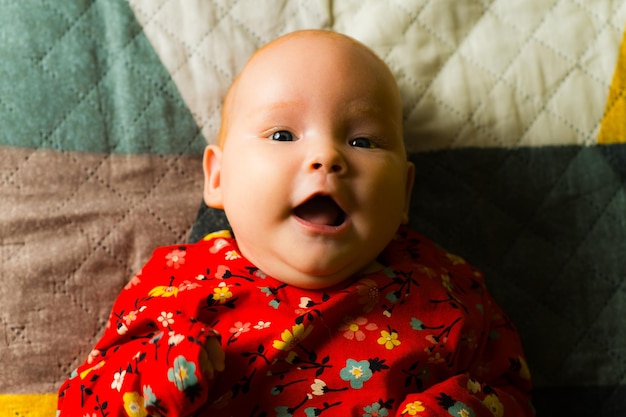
x,y
213,357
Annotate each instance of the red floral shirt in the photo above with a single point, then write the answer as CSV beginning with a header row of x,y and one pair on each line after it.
x,y
420,338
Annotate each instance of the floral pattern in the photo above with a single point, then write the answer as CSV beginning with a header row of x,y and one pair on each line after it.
x,y
397,342
183,373
357,373
133,405
389,339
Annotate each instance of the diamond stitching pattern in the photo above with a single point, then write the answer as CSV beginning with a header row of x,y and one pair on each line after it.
x,y
474,125
201,65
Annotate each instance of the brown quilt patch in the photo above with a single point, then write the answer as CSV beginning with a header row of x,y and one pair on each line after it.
x,y
74,227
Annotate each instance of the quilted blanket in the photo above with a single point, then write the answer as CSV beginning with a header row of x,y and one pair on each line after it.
x,y
515,116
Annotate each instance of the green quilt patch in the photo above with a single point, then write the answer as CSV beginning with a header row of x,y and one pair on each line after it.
x,y
82,76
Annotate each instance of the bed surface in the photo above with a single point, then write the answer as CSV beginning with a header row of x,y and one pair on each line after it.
x,y
515,115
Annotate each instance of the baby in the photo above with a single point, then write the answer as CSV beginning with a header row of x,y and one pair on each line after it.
x,y
324,302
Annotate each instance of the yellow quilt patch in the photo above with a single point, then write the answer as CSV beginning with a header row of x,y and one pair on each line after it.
x,y
31,405
613,128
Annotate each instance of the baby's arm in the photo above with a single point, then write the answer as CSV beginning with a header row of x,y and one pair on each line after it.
x,y
152,356
498,385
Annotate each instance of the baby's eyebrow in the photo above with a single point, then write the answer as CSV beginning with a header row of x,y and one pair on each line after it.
x,y
276,107
359,108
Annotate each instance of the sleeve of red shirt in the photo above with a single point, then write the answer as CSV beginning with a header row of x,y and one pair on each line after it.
x,y
150,358
498,385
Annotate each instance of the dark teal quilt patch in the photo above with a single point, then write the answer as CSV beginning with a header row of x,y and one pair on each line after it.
x,y
548,227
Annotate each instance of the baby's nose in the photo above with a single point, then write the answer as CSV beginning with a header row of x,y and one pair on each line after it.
x,y
329,160
331,167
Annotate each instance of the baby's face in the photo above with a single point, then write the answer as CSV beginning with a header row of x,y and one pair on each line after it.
x,y
313,173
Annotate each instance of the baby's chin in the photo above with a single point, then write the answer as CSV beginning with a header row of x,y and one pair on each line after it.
x,y
313,281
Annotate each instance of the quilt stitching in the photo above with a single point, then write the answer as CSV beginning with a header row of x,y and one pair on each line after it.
x,y
91,173
575,66
515,88
191,50
101,242
61,286
572,255
72,23
428,88
620,285
414,20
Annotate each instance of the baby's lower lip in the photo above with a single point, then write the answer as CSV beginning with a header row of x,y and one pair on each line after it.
x,y
322,229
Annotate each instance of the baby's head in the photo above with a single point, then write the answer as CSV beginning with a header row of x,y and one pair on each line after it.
x,y
311,168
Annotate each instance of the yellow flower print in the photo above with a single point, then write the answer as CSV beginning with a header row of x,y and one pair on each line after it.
x,y
445,281
413,408
133,404
473,386
222,293
163,291
231,255
429,272
219,234
86,372
389,340
455,259
291,357
291,339
524,372
494,405
436,358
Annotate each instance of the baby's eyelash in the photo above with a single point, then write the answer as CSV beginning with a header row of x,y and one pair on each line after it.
x,y
279,135
282,136
363,143
369,142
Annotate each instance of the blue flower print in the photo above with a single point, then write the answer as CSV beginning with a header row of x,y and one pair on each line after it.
x,y
357,373
417,324
283,412
375,410
183,373
149,398
461,410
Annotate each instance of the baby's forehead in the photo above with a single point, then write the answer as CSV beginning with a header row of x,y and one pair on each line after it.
x,y
332,54
341,55
311,45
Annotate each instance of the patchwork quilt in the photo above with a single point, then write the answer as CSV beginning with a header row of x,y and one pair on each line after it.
x,y
515,116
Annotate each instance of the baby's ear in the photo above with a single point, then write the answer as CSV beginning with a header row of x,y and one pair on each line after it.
x,y
212,165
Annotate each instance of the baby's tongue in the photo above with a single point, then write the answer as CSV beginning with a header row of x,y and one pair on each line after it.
x,y
320,210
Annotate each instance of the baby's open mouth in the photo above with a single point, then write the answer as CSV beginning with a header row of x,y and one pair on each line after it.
x,y
321,210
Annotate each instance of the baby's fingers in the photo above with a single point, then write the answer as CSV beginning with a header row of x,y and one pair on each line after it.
x,y
215,357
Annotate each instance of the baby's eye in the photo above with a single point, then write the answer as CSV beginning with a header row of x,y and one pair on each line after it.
x,y
282,136
362,143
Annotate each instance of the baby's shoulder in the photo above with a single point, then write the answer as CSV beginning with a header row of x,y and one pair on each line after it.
x,y
411,250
